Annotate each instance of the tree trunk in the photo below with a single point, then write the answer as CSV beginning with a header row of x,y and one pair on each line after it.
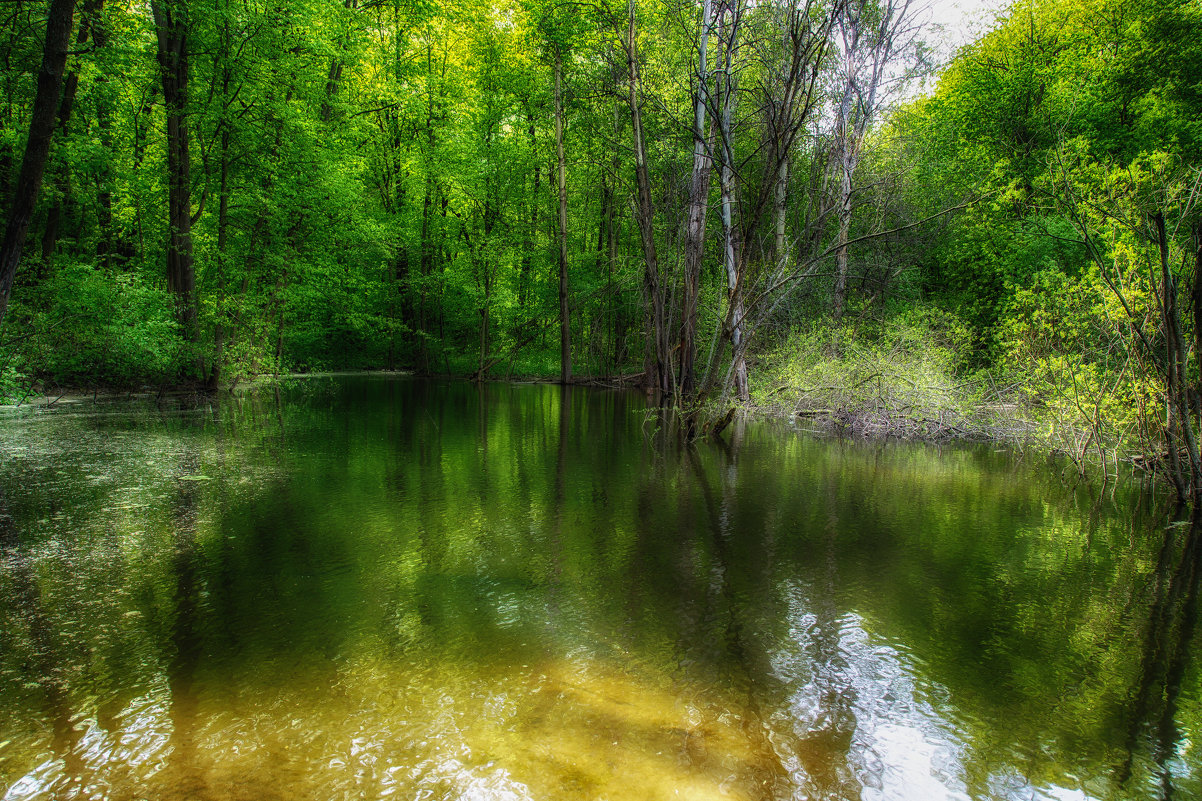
x,y
54,220
105,244
844,135
847,166
223,207
794,82
66,105
426,267
531,234
172,29
656,369
871,35
617,331
429,248
41,128
780,248
565,327
606,245
334,76
492,213
730,246
734,284
699,191
1196,303
1187,473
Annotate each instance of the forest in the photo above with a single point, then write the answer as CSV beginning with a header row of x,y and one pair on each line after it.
x,y
800,206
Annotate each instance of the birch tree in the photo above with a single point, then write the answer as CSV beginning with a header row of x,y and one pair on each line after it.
x,y
788,50
730,21
878,51
699,192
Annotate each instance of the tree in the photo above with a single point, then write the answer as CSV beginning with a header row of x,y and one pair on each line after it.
x,y
878,50
171,29
656,367
699,192
59,21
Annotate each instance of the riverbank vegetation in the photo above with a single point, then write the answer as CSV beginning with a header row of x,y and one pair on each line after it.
x,y
722,201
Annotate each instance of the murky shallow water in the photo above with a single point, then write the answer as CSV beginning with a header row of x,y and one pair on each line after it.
x,y
374,587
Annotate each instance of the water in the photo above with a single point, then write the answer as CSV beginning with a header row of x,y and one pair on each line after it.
x,y
371,587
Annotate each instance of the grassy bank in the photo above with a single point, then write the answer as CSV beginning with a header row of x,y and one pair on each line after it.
x,y
910,375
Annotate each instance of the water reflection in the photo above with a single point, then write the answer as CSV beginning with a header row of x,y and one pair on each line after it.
x,y
1154,736
47,667
858,722
372,588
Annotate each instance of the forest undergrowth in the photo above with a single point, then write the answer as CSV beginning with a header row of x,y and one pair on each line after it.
x,y
910,374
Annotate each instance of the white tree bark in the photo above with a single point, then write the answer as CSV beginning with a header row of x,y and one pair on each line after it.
x,y
876,38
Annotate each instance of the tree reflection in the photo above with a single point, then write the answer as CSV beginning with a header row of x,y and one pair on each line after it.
x,y
46,665
743,674
1172,620
813,618
185,637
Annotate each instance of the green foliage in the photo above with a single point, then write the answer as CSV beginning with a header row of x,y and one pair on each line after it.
x,y
98,328
1077,126
985,260
15,386
900,375
373,185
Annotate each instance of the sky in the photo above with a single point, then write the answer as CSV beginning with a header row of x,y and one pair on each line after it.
x,y
961,21
948,25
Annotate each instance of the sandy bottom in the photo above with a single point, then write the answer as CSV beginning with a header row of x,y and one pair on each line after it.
x,y
564,729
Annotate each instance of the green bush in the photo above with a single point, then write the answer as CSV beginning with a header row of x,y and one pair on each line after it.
x,y
92,328
14,384
897,375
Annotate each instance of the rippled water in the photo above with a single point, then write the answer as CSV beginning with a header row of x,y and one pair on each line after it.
x,y
372,587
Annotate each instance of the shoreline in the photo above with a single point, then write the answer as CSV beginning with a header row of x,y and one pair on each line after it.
x,y
1001,423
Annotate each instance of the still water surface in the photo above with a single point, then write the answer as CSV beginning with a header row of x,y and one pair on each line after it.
x,y
372,587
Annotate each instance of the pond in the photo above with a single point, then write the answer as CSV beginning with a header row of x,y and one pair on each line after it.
x,y
374,586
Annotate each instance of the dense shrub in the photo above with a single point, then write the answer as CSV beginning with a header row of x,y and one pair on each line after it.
x,y
92,328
